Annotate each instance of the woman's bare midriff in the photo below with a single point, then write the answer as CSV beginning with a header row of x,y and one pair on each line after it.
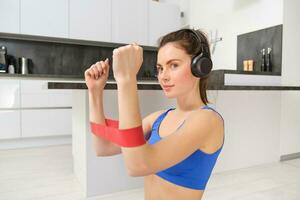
x,y
157,188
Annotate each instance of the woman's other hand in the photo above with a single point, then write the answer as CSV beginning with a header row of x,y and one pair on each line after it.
x,y
127,61
97,75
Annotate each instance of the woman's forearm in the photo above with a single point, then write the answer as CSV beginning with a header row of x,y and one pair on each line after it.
x,y
129,111
136,158
96,112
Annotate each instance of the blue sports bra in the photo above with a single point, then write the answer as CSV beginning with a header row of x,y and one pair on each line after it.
x,y
192,172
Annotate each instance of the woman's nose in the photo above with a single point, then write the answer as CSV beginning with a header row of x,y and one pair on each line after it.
x,y
165,74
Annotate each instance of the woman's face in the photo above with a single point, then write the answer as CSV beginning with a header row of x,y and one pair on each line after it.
x,y
174,71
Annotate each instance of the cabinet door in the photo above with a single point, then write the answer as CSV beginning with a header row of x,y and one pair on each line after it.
x,y
9,94
44,17
35,94
163,18
48,122
10,16
10,124
129,21
90,20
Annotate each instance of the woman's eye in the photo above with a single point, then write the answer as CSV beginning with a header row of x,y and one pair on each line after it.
x,y
174,66
159,69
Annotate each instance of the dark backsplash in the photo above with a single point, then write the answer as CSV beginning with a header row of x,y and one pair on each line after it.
x,y
53,56
249,46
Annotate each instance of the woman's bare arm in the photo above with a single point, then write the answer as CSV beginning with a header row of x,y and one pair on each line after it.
x,y
96,77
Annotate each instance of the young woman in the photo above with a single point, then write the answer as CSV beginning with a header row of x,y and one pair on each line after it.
x,y
183,143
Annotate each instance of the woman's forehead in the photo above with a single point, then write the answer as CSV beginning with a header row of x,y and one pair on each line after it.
x,y
171,51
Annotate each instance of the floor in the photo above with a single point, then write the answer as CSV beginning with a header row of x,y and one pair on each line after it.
x,y
46,174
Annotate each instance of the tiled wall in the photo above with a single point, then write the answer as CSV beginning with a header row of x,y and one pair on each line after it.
x,y
249,46
68,59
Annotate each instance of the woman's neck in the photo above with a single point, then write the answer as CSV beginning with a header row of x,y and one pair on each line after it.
x,y
187,104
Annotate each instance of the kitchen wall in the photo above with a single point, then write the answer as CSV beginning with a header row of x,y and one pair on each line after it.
x,y
184,6
235,17
67,56
232,18
291,42
290,109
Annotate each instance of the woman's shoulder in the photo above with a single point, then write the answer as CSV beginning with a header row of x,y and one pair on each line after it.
x,y
206,125
208,114
154,115
149,120
205,117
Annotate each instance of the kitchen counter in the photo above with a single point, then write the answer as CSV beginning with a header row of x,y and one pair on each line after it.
x,y
77,82
228,71
216,81
154,85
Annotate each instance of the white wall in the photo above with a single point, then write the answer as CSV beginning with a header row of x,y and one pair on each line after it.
x,y
184,6
235,17
291,42
290,107
232,18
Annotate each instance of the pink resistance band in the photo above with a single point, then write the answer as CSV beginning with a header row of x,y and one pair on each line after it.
x,y
112,123
131,137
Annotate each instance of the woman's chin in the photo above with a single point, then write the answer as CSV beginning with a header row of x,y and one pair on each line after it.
x,y
169,96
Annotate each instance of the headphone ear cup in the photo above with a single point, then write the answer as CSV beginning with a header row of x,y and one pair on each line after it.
x,y
201,66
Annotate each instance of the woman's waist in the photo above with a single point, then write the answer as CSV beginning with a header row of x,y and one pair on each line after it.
x,y
158,188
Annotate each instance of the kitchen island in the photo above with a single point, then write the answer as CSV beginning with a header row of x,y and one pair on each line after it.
x,y
255,124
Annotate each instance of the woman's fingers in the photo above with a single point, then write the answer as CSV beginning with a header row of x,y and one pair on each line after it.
x,y
99,68
94,71
90,72
105,66
87,73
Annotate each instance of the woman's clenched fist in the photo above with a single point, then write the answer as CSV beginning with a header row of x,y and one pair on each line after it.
x,y
97,75
127,61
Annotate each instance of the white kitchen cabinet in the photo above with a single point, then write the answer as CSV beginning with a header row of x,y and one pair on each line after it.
x,y
60,98
10,16
29,109
252,128
9,94
46,122
10,124
129,21
35,94
44,17
163,18
90,20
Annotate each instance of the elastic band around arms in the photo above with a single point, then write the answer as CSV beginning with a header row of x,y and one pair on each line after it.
x,y
112,123
131,137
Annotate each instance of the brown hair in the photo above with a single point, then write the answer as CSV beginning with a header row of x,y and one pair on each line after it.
x,y
190,43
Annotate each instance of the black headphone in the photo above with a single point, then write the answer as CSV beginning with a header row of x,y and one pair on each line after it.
x,y
201,64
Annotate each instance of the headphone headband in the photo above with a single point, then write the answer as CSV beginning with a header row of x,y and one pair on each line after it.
x,y
201,63
197,36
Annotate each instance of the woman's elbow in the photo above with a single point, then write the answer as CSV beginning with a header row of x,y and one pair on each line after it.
x,y
100,151
101,154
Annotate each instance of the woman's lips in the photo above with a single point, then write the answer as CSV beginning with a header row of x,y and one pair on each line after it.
x,y
167,87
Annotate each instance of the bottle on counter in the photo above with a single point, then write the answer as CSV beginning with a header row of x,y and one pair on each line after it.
x,y
263,60
11,65
24,65
268,60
